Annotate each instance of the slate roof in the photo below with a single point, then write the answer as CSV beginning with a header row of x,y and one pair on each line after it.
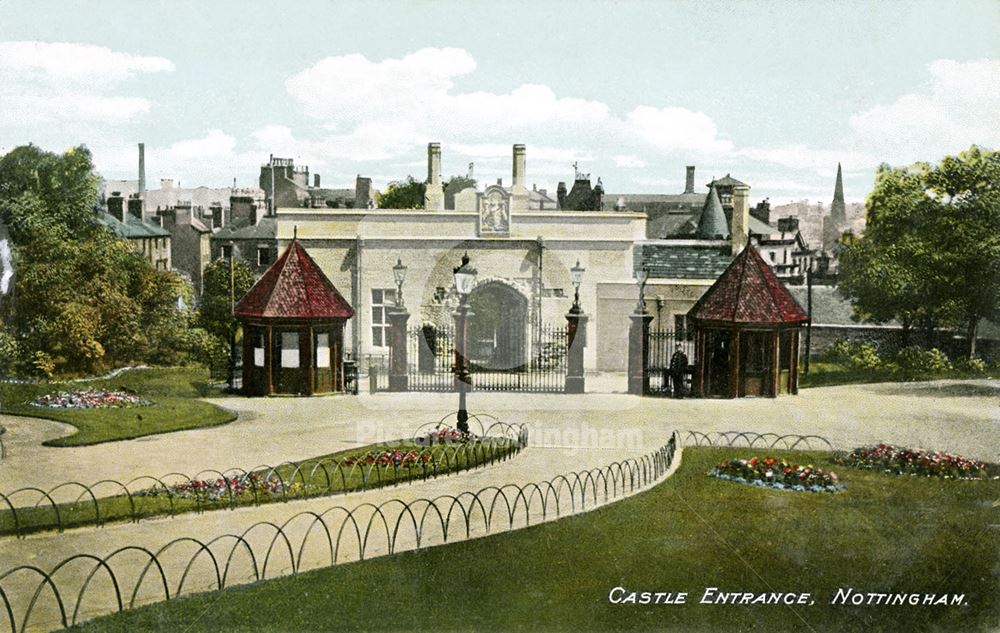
x,y
133,228
727,181
294,287
683,261
748,293
266,229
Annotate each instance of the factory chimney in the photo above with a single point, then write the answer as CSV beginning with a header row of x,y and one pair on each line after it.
x,y
142,169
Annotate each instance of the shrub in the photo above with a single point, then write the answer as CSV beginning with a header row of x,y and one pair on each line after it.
x,y
916,361
42,364
854,354
971,365
8,354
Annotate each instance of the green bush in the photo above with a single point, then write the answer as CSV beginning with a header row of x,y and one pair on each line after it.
x,y
913,362
8,354
853,354
971,365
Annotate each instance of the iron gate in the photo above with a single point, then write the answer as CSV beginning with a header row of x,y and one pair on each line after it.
x,y
430,357
661,345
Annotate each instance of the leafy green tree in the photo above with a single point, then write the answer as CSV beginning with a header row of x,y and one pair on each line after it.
x,y
216,300
930,256
406,194
85,298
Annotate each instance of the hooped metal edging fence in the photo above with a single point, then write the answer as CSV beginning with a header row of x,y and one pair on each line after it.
x,y
499,441
341,534
132,575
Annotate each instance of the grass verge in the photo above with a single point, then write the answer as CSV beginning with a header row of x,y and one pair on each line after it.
x,y
693,531
319,476
174,392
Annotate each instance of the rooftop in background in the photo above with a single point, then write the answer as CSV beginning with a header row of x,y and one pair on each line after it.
x,y
242,229
683,259
132,228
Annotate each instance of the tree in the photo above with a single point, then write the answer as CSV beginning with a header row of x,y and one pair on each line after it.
x,y
930,256
406,194
85,298
216,315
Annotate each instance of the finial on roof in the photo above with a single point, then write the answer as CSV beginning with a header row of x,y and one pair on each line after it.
x,y
295,232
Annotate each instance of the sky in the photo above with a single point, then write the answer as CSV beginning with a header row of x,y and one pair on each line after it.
x,y
775,93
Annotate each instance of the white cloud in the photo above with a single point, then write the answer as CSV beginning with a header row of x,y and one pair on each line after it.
x,y
45,82
392,107
957,108
629,161
71,62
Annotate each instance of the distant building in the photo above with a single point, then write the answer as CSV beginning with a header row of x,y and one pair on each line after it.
x,y
147,238
287,185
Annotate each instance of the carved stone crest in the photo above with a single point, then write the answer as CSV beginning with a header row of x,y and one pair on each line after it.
x,y
494,212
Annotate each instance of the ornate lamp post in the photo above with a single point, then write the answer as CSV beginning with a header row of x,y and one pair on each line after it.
x,y
576,331
641,276
399,274
398,317
638,337
576,276
465,280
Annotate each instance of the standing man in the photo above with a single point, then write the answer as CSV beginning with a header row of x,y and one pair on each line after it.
x,y
678,367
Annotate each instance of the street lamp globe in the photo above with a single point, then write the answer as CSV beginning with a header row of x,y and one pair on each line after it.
x,y
399,274
465,277
641,276
576,277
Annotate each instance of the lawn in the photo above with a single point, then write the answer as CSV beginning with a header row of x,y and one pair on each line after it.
x,y
692,532
173,390
336,473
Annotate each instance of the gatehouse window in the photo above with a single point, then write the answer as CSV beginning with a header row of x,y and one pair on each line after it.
x,y
258,350
381,299
290,349
322,350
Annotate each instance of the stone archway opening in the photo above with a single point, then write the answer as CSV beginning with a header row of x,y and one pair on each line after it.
x,y
497,330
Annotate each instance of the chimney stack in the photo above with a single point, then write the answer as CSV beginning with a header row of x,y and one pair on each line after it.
x,y
316,181
135,206
434,193
518,166
142,168
689,183
741,218
116,206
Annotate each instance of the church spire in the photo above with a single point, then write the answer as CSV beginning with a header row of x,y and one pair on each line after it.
x,y
835,224
838,210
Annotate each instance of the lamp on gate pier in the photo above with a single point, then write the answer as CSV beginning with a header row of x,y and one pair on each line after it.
x,y
399,274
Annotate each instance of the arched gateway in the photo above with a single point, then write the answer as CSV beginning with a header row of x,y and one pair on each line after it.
x,y
497,331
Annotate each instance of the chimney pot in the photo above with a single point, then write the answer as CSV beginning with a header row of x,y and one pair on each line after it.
x,y
519,158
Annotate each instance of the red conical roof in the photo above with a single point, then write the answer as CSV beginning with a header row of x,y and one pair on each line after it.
x,y
748,292
294,287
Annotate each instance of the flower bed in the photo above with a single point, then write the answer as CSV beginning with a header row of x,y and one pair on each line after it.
x,y
389,458
918,462
222,489
447,435
770,472
90,399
